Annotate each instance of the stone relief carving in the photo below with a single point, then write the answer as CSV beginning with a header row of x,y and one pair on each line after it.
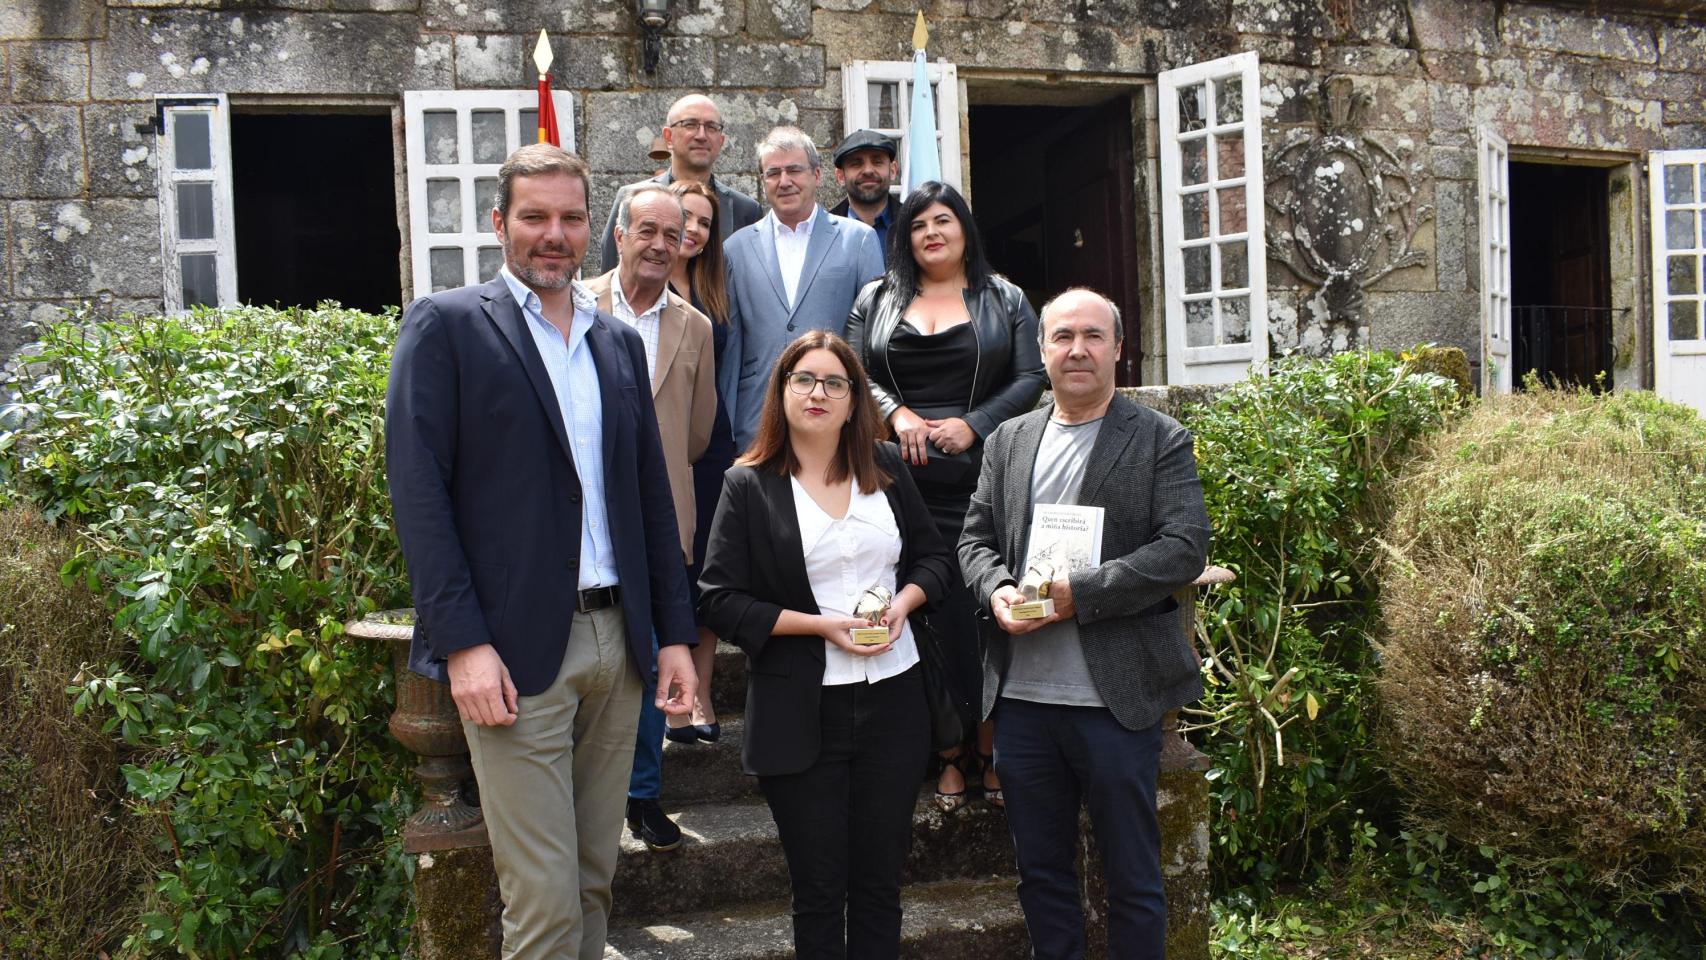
x,y
1343,213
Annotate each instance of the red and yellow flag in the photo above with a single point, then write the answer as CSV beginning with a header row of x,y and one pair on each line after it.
x,y
547,108
547,114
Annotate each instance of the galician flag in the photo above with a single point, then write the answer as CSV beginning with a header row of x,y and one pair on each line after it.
x,y
547,108
923,155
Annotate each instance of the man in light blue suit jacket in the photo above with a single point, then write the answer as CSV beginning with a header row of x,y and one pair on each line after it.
x,y
795,270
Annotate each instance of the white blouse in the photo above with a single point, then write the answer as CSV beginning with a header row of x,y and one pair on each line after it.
x,y
844,558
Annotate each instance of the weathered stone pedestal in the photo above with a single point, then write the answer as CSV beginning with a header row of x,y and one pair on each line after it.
x,y
456,891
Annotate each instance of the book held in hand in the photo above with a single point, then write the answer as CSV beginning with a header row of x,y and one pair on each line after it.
x,y
1064,538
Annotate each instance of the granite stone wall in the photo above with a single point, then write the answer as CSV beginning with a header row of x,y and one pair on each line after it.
x,y
77,162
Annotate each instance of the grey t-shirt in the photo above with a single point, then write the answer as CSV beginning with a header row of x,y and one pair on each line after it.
x,y
1047,665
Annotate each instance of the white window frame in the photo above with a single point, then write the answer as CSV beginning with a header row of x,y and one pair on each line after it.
x,y
856,77
223,244
1220,362
1492,166
416,103
1679,366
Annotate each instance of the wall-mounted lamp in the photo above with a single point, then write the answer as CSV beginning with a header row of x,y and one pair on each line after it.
x,y
653,16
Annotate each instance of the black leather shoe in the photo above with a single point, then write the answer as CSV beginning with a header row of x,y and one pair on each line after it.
x,y
686,734
709,732
648,822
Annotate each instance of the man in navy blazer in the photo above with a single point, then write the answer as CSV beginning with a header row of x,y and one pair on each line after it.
x,y
533,505
797,269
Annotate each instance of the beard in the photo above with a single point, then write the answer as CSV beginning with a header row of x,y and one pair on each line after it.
x,y
537,276
870,191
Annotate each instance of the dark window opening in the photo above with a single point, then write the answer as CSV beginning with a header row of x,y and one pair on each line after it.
x,y
1560,275
1053,193
316,210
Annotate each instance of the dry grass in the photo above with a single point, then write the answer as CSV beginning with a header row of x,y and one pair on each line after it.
x,y
71,863
1545,670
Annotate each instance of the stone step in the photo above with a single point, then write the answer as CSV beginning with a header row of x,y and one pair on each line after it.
x,y
707,772
730,854
947,920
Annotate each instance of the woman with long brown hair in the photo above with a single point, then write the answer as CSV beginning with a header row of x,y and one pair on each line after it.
x,y
818,528
698,278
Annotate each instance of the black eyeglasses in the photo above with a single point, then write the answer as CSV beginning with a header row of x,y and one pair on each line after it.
x,y
693,126
804,383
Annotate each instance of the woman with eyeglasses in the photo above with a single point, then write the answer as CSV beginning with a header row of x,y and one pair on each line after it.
x,y
952,350
698,278
819,524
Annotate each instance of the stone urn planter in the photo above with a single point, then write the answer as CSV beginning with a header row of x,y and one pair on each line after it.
x,y
455,889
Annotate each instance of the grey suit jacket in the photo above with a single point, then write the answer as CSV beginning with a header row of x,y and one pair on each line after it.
x,y
734,210
1155,537
841,257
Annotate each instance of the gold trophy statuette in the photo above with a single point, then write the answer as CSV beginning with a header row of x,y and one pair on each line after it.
x,y
873,606
1036,585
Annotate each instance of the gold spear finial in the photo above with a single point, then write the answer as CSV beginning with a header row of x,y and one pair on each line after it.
x,y
920,33
542,54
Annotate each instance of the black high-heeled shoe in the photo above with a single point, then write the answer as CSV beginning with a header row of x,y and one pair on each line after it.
x,y
683,734
709,732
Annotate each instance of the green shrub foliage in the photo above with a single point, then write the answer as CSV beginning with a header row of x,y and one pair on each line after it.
x,y
1294,466
1545,673
226,473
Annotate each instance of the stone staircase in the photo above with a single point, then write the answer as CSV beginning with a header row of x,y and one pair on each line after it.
x,y
723,894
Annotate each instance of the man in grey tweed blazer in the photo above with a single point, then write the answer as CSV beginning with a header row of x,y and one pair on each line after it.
x,y
1078,697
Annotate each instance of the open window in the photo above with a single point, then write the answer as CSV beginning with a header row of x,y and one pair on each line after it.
x,y
1493,170
1678,196
1214,260
455,141
877,95
197,233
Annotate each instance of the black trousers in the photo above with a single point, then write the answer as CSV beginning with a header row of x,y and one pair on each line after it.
x,y
846,822
1052,758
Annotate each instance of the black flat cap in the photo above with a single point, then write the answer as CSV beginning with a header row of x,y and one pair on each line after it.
x,y
864,140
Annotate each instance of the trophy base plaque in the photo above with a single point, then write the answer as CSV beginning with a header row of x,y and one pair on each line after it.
x,y
1032,610
870,636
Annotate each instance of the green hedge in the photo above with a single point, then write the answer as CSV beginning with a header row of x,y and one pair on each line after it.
x,y
1545,668
1295,465
225,472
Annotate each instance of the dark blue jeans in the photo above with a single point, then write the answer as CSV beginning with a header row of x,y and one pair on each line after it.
x,y
1052,758
646,782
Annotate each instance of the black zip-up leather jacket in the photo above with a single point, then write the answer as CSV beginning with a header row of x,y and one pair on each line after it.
x,y
1009,376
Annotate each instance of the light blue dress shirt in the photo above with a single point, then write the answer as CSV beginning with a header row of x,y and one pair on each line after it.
x,y
574,378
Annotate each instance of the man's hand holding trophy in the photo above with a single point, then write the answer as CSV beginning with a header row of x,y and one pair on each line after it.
x,y
1039,580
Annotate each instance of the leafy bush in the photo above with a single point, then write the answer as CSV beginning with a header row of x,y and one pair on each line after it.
x,y
70,862
1545,674
226,473
1294,467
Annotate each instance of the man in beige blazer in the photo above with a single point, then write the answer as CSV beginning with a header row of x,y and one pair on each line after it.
x,y
681,360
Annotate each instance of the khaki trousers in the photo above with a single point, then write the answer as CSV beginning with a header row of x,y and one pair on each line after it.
x,y
554,789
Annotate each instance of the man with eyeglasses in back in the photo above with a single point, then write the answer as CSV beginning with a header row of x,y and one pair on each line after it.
x,y
798,269
693,133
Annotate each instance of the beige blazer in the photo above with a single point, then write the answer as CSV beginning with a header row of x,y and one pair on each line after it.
x,y
684,391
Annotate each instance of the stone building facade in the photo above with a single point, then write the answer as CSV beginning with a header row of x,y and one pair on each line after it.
x,y
1377,126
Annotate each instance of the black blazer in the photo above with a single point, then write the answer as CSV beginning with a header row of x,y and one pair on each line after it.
x,y
486,498
755,567
1009,375
1155,537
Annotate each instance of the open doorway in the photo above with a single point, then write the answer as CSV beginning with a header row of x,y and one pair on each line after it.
x,y
1053,189
315,203
1561,294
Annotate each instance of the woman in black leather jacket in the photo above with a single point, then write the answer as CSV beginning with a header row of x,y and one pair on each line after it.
x,y
951,349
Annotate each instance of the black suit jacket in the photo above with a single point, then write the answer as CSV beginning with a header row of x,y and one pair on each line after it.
x,y
755,567
1155,536
486,498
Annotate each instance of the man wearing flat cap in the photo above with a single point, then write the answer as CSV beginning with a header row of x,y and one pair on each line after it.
x,y
864,166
